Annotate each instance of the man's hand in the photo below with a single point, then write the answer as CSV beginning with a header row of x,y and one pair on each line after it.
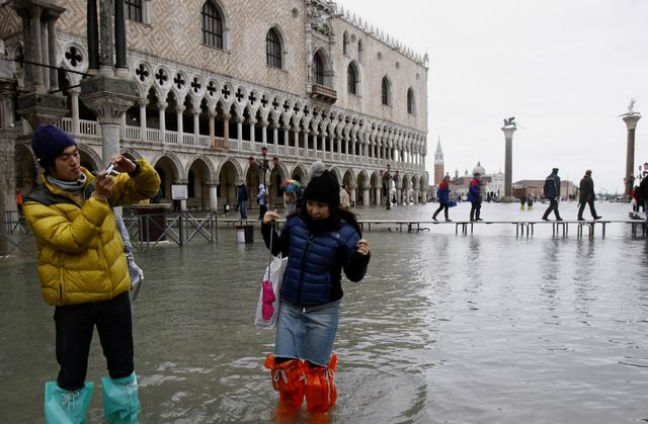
x,y
104,186
123,164
271,217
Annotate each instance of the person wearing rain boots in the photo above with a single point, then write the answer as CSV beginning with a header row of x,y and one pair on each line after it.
x,y
320,240
475,197
83,273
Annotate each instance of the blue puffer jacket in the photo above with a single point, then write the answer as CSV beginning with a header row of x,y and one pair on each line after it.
x,y
316,260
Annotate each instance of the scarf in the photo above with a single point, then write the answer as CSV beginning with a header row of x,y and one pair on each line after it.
x,y
72,187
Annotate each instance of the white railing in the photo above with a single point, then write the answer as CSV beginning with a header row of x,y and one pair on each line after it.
x,y
152,134
189,139
203,140
133,133
171,137
66,125
89,127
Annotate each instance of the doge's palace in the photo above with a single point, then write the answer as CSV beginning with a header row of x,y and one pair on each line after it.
x,y
219,83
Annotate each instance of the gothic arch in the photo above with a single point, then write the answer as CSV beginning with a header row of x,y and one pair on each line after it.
x,y
234,162
90,154
208,164
177,167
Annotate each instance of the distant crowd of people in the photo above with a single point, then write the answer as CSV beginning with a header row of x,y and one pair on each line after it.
x,y
551,192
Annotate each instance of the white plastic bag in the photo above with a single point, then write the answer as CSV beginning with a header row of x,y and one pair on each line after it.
x,y
268,305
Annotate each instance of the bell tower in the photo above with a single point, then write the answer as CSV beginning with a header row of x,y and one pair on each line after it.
x,y
438,164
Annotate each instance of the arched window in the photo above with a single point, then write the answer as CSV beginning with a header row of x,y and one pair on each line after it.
x,y
352,79
212,25
360,51
410,102
134,10
386,86
318,65
345,42
273,49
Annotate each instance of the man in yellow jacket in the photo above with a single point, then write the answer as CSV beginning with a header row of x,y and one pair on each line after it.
x,y
83,272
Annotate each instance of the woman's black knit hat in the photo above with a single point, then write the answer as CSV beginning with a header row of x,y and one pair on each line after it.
x,y
323,186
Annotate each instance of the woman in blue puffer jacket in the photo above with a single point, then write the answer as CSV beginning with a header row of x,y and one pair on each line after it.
x,y
320,241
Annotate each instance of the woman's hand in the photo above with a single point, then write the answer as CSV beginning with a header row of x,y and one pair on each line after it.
x,y
271,217
363,247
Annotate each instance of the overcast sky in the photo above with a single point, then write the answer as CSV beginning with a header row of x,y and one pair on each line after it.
x,y
565,68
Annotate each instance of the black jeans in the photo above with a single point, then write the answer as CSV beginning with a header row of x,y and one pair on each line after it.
x,y
74,327
590,202
444,208
475,209
553,206
262,210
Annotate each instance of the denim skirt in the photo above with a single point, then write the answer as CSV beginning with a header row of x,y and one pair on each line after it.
x,y
307,332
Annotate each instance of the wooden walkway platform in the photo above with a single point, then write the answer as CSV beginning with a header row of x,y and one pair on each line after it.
x,y
522,228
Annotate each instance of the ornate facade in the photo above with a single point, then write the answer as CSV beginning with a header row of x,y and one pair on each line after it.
x,y
218,80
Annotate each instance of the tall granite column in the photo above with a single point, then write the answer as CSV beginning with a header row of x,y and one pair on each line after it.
x,y
631,118
508,161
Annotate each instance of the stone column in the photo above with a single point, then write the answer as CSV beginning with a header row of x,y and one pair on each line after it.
x,y
213,196
631,118
226,119
161,114
275,134
286,129
93,37
252,122
352,196
365,196
196,125
106,52
76,123
378,200
239,130
509,130
306,131
179,112
109,98
264,132
296,140
51,33
142,114
44,59
35,13
212,129
120,39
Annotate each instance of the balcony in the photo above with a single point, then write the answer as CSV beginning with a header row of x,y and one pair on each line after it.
x,y
323,93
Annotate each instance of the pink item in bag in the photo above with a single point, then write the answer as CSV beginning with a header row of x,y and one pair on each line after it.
x,y
268,298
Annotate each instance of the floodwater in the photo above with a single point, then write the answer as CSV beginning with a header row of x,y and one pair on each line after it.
x,y
487,328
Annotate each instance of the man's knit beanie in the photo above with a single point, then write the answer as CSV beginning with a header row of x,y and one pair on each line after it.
x,y
48,142
323,186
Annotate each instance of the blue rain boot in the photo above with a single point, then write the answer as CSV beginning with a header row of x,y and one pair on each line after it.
x,y
66,406
120,402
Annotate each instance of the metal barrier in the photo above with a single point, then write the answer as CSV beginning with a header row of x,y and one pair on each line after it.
x,y
180,228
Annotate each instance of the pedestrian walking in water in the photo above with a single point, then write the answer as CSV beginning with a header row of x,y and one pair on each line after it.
x,y
320,241
552,193
586,196
443,194
475,197
642,193
242,199
529,202
523,200
83,273
262,200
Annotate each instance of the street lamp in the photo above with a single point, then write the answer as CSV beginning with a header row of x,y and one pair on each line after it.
x,y
386,177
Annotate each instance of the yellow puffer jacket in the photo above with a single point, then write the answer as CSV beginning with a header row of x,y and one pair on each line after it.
x,y
80,251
